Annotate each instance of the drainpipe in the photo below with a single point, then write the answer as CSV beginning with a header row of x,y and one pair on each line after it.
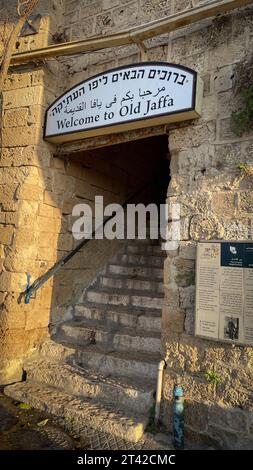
x,y
160,370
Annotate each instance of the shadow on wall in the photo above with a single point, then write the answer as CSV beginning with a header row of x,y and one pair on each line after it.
x,y
212,426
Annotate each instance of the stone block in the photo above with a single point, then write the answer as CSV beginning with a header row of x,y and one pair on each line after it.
x,y
27,212
247,151
180,5
187,250
195,388
185,272
237,229
8,196
209,107
35,116
17,80
193,136
19,263
227,156
189,324
58,164
11,317
126,15
22,136
29,192
29,96
6,234
46,224
12,282
171,296
246,201
50,199
206,227
178,48
15,117
2,251
37,319
226,417
45,210
63,184
47,239
29,155
158,53
95,8
187,297
173,319
25,239
167,275
198,62
85,29
47,253
223,79
196,415
225,130
224,203
224,439
65,242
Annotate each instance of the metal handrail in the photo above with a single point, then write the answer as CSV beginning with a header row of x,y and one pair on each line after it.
x,y
40,281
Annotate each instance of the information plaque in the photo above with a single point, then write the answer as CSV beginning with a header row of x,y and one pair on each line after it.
x,y
224,291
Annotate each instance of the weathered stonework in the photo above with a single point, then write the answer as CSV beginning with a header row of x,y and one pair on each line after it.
x,y
38,190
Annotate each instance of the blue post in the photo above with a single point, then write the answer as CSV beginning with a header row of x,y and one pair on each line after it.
x,y
178,417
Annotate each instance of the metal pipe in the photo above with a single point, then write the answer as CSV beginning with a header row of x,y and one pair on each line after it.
x,y
160,370
134,36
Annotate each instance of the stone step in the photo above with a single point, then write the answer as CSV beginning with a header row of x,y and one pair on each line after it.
x,y
137,249
121,297
135,271
118,363
87,332
140,260
103,359
121,316
130,283
142,241
81,413
130,393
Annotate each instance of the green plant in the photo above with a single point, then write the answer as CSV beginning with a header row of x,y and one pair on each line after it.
x,y
212,377
245,168
242,121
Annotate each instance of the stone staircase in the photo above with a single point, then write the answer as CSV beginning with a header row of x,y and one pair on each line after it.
x,y
100,369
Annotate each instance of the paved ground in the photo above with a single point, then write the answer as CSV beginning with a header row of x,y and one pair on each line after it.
x,y
23,428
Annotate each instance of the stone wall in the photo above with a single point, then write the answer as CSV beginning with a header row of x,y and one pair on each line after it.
x,y
26,201
215,198
38,191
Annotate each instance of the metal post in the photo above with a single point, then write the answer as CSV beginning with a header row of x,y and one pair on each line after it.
x,y
178,417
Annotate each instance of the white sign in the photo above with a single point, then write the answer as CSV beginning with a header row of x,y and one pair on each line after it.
x,y
131,97
224,291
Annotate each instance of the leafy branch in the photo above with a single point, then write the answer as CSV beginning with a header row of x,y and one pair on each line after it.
x,y
242,121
